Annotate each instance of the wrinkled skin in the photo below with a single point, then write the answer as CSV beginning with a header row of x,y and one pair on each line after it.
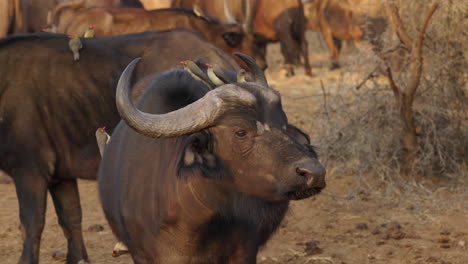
x,y
212,196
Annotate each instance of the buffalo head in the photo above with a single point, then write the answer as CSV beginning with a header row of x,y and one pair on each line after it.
x,y
237,134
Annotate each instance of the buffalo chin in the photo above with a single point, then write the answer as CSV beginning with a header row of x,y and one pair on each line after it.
x,y
303,194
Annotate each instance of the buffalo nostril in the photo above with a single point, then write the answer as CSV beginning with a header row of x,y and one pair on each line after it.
x,y
302,172
314,172
306,173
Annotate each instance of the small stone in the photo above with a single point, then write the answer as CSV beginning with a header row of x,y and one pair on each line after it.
x,y
443,240
375,231
445,246
461,243
312,248
445,233
394,225
397,235
361,226
59,255
380,243
95,228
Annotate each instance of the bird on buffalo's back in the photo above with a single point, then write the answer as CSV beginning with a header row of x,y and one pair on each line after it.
x,y
89,33
102,139
75,46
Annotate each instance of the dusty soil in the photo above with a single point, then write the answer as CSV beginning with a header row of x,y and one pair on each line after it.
x,y
341,225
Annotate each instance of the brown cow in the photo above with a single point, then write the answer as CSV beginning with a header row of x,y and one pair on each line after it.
x,y
332,18
273,20
115,21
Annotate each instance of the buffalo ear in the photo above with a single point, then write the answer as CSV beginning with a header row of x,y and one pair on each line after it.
x,y
302,138
233,39
197,152
298,134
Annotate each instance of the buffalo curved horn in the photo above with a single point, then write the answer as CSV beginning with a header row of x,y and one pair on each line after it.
x,y
255,71
248,23
182,121
227,13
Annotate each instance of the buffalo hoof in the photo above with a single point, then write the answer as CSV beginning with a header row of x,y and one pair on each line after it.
x,y
289,69
59,255
308,72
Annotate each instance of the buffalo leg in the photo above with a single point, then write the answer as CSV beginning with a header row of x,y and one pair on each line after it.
x,y
67,205
305,54
31,189
290,48
330,41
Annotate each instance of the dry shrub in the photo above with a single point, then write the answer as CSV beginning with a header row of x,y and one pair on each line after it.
x,y
362,132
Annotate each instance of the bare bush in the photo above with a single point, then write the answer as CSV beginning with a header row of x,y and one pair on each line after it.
x,y
362,133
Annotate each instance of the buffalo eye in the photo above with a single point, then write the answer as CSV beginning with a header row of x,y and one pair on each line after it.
x,y
233,39
241,133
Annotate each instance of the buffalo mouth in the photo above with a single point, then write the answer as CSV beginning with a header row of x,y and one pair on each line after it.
x,y
302,194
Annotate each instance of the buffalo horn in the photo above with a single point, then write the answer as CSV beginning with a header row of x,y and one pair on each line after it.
x,y
193,117
255,71
227,13
248,23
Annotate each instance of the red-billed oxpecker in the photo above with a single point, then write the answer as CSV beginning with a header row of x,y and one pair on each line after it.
x,y
195,71
89,33
75,46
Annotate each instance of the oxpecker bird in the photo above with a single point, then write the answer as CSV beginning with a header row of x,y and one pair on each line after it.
x,y
75,46
197,73
102,139
119,249
89,33
241,76
219,76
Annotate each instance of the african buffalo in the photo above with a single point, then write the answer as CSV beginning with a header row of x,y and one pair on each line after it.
x,y
202,176
334,19
114,21
50,106
272,21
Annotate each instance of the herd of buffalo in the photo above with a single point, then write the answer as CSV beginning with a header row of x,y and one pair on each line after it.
x,y
198,162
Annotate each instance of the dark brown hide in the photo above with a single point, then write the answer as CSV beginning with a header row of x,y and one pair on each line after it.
x,y
48,118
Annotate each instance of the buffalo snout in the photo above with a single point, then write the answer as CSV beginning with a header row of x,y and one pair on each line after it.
x,y
314,173
308,180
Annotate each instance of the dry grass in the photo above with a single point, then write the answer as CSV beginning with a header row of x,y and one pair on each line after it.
x,y
362,130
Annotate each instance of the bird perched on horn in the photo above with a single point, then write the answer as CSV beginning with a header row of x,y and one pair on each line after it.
x,y
220,76
75,46
241,76
197,73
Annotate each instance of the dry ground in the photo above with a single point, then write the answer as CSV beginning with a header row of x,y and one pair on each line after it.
x,y
341,225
